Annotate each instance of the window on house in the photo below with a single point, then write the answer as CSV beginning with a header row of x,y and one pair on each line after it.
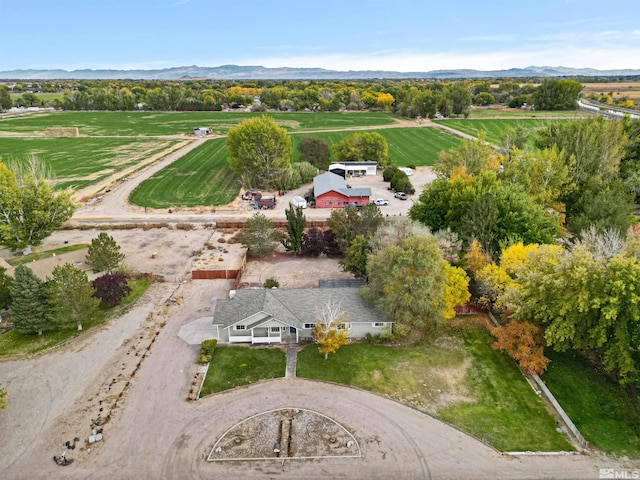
x,y
275,329
328,203
240,327
342,326
309,325
378,324
345,203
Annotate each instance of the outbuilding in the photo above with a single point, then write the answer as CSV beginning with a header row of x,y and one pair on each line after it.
x,y
331,191
353,169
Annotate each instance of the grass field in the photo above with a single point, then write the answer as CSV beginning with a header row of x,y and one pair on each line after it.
x,y
417,146
47,97
516,113
78,162
495,128
457,376
234,366
202,177
603,412
176,123
14,343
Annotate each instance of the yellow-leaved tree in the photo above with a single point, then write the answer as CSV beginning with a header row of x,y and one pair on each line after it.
x,y
456,290
331,331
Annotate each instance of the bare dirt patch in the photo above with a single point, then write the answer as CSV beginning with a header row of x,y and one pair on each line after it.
x,y
292,271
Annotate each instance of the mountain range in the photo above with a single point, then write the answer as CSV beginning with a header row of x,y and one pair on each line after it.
x,y
236,72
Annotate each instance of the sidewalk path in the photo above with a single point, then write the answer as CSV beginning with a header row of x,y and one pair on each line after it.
x,y
292,357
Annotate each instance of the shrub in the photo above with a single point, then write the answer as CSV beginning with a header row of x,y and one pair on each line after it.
x,y
271,283
388,173
185,226
206,351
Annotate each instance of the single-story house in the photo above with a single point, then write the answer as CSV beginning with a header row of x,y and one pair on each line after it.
x,y
351,169
331,191
281,315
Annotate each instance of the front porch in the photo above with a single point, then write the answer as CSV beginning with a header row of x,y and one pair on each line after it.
x,y
267,335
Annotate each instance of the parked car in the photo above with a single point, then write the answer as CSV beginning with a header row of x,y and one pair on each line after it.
x,y
401,195
380,202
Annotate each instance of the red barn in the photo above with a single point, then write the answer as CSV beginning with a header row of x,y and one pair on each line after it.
x,y
331,191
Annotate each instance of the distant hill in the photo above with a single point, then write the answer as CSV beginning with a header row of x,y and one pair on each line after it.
x,y
236,72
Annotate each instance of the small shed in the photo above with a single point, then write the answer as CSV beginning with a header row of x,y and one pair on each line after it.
x,y
201,131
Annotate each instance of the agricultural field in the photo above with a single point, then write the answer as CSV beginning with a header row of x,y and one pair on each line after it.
x,y
201,177
45,97
179,123
495,128
478,113
407,146
79,162
616,90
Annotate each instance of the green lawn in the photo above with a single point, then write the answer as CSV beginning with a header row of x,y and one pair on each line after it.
x,y
32,257
173,123
14,343
495,128
407,146
494,401
234,366
201,177
45,96
78,162
603,412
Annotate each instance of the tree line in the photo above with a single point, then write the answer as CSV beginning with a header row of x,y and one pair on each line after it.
x,y
67,299
409,98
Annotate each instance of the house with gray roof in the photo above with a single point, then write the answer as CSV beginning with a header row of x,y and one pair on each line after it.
x,y
331,191
282,315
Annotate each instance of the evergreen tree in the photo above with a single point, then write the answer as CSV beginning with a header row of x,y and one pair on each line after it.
x,y
29,304
296,223
104,253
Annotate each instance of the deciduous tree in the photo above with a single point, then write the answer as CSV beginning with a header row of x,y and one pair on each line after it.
x,y
70,297
111,288
363,147
259,151
314,150
330,331
407,283
29,209
456,290
260,237
523,342
557,94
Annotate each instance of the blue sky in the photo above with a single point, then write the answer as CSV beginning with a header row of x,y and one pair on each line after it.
x,y
402,35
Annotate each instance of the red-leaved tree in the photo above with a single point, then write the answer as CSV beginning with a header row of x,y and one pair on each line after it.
x,y
111,288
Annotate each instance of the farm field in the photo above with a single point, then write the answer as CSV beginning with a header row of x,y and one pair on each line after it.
x,y
517,113
407,146
201,177
619,90
47,97
178,123
495,128
78,162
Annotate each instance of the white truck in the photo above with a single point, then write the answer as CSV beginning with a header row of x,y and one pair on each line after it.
x,y
298,202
